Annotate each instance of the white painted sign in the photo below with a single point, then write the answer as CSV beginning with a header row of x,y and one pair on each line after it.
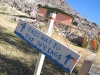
x,y
58,53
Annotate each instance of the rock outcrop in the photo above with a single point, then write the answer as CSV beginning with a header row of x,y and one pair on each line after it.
x,y
31,7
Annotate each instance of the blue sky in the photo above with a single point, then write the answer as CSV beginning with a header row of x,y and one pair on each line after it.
x,y
90,9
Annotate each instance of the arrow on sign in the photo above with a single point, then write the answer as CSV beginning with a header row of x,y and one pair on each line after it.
x,y
23,27
68,57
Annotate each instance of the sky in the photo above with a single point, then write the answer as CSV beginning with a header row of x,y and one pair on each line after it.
x,y
89,9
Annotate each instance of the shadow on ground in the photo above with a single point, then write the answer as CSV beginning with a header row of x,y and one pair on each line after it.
x,y
13,67
12,39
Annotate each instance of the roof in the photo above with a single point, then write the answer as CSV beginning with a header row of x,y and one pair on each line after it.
x,y
56,9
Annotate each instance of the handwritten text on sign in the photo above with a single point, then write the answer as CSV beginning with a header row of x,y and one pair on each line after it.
x,y
58,53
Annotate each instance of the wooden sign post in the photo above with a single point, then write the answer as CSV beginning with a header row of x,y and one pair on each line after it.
x,y
42,56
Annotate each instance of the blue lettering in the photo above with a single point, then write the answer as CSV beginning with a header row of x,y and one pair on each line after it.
x,y
43,38
50,41
52,52
55,54
39,44
29,29
30,39
35,33
59,57
26,35
32,32
56,46
44,48
46,40
48,50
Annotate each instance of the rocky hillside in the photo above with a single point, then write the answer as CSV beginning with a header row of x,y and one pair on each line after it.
x,y
31,6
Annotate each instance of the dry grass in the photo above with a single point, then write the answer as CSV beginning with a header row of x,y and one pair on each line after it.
x,y
18,58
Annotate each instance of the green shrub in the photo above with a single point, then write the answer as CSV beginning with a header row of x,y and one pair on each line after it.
x,y
97,47
86,45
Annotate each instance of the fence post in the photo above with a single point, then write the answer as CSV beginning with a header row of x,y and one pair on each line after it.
x,y
85,67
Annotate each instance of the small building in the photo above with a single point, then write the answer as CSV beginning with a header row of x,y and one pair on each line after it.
x,y
62,17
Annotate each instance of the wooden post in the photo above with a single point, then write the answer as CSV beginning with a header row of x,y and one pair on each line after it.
x,y
42,56
85,67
